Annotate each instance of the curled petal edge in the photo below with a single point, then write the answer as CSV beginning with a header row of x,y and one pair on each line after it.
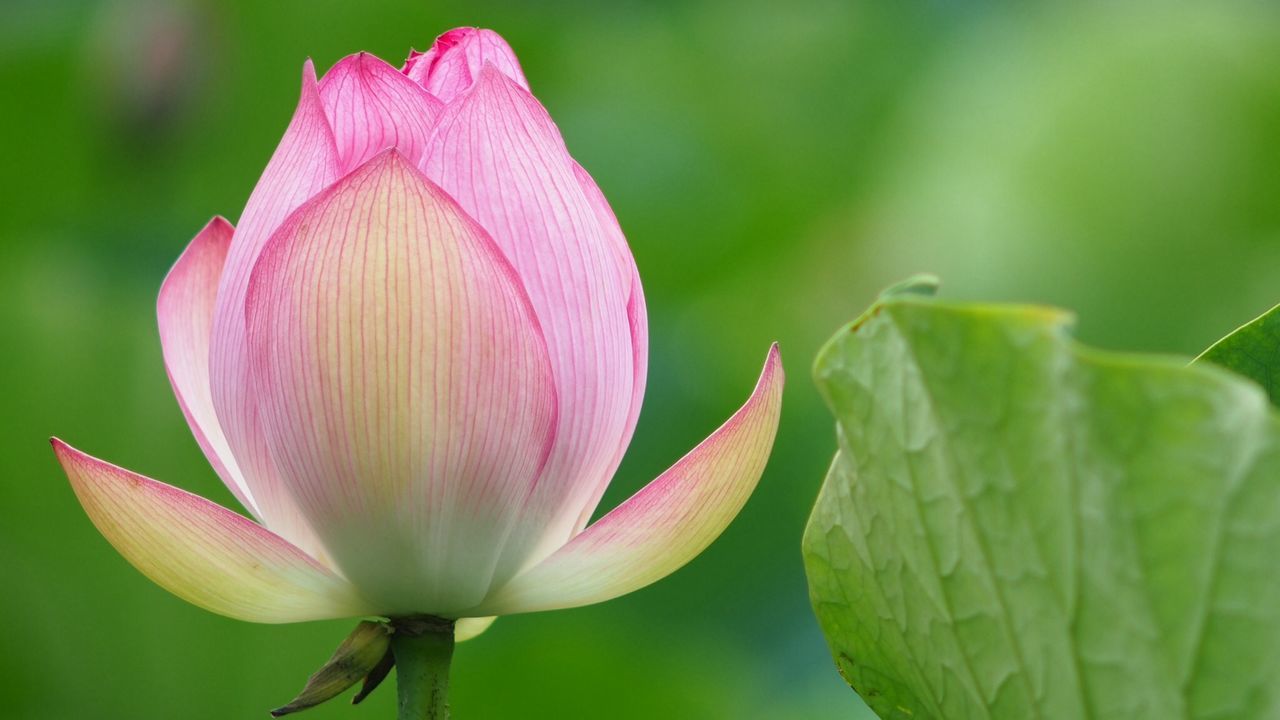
x,y
454,61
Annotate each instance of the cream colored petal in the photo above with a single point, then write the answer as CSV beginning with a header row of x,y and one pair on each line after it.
x,y
202,552
468,628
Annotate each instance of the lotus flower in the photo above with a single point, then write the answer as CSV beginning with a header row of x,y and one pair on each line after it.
x,y
417,363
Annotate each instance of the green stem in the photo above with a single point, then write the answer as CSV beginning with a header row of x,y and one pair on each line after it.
x,y
423,647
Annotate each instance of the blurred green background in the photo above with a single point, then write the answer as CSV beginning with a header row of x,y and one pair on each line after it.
x,y
774,165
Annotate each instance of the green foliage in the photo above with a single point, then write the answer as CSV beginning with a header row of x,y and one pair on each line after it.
x,y
1018,526
770,162
1253,351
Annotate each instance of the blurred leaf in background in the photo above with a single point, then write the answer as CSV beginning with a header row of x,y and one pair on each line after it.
x,y
1017,525
773,165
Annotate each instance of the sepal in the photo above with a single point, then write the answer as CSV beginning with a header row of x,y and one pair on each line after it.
x,y
361,656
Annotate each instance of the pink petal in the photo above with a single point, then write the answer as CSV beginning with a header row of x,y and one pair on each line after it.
x,y
305,162
405,388
637,319
204,553
185,314
500,156
371,106
663,526
456,58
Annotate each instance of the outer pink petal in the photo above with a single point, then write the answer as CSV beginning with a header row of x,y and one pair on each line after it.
x,y
371,106
498,153
638,321
456,58
305,163
185,314
204,553
406,392
663,526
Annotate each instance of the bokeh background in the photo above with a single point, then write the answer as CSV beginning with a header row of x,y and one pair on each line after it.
x,y
774,165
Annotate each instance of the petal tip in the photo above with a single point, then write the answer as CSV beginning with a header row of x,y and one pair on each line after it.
x,y
364,63
489,73
75,461
449,38
63,450
68,458
220,224
388,160
772,367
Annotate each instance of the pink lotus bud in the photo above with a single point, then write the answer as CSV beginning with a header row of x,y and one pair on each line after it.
x,y
417,362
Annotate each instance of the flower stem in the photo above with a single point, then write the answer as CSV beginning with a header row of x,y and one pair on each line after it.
x,y
423,647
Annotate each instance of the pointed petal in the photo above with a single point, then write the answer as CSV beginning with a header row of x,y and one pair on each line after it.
x,y
499,155
305,162
185,314
371,106
202,552
405,388
468,628
663,526
455,59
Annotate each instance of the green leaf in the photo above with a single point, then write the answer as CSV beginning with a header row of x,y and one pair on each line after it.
x,y
1253,351
1017,526
923,284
